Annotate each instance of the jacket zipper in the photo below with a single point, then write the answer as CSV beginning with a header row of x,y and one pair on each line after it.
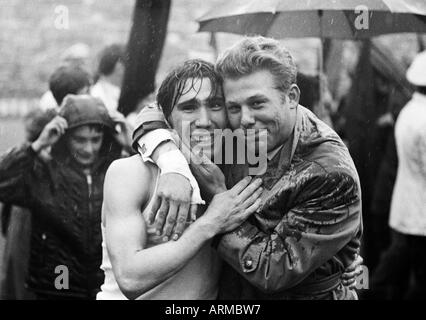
x,y
89,181
89,185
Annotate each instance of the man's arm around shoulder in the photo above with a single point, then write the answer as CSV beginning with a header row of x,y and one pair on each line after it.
x,y
325,219
128,186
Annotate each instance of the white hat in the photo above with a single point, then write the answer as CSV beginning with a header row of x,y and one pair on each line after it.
x,y
416,73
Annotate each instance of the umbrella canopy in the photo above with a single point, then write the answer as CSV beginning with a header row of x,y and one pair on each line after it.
x,y
337,19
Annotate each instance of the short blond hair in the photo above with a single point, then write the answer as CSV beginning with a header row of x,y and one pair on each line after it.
x,y
258,53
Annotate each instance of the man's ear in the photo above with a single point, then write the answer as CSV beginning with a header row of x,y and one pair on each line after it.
x,y
294,95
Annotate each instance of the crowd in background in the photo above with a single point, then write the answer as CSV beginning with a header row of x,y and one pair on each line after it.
x,y
30,229
365,119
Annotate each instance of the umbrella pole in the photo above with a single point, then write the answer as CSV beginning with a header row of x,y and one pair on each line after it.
x,y
421,43
213,44
320,67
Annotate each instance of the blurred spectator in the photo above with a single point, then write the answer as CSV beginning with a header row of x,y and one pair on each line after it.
x,y
408,216
109,76
16,223
69,80
379,90
75,56
310,96
64,196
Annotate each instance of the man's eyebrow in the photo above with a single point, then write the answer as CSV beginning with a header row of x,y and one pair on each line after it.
x,y
249,99
189,101
257,97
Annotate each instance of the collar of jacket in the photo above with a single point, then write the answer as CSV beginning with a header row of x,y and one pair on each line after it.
x,y
308,133
286,157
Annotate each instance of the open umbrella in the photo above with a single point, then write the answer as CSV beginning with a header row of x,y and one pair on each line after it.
x,y
337,19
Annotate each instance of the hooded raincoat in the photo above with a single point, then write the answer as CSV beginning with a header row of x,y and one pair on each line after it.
x,y
66,203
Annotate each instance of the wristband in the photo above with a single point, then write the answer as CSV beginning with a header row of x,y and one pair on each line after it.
x,y
150,141
174,162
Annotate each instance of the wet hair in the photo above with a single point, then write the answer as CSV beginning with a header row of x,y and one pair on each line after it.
x,y
109,57
68,80
173,86
258,53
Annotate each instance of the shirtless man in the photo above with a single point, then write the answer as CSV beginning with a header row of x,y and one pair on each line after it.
x,y
137,263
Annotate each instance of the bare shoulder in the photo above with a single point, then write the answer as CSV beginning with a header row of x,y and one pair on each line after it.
x,y
129,179
130,169
127,187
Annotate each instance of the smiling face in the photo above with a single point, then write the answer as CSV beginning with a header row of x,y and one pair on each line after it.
x,y
254,102
199,111
84,144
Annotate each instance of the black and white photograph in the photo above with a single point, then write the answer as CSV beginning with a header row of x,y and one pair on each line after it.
x,y
213,154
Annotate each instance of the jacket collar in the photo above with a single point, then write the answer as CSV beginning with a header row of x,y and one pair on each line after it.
x,y
288,149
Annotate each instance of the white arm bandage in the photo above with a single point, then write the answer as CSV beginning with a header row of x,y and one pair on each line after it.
x,y
150,141
168,162
174,161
